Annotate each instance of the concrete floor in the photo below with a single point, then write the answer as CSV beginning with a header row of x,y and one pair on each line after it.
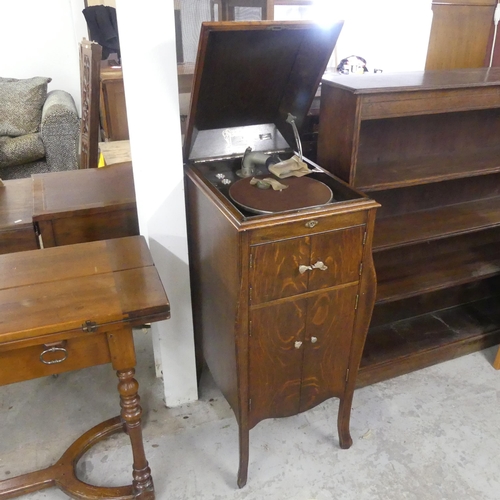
x,y
430,435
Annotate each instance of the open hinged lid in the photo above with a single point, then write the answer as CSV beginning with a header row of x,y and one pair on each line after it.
x,y
86,287
248,77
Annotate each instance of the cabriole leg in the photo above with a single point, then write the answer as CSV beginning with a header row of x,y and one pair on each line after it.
x,y
244,436
344,418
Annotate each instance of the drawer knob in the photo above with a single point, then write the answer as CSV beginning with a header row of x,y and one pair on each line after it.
x,y
54,361
314,340
311,223
319,265
298,343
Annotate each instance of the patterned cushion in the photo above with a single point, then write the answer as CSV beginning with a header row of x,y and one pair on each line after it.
x,y
21,103
19,150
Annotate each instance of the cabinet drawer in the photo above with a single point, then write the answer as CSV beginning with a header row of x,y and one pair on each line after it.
x,y
291,267
17,365
307,227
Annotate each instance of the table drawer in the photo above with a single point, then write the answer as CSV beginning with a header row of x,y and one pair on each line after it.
x,y
87,227
18,239
17,365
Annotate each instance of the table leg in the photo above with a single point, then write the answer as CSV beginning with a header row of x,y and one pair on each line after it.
x,y
131,414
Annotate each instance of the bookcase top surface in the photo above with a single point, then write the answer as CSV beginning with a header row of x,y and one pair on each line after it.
x,y
414,80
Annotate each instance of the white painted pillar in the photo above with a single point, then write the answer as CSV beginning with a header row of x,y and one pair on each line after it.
x,y
147,41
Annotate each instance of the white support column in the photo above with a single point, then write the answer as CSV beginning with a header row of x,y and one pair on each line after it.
x,y
147,41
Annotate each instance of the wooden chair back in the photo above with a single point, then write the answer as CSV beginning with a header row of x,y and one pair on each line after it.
x,y
90,66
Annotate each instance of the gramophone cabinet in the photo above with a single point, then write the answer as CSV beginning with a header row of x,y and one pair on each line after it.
x,y
282,297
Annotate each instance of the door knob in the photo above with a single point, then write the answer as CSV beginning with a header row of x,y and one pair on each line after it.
x,y
314,340
298,343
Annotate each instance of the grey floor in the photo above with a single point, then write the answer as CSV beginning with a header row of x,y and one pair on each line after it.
x,y
430,435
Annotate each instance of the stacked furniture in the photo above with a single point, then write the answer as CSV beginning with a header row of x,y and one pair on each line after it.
x,y
425,145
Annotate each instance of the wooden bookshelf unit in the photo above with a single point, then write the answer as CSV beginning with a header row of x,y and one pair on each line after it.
x,y
426,146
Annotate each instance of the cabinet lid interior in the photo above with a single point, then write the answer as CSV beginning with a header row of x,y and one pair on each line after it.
x,y
253,74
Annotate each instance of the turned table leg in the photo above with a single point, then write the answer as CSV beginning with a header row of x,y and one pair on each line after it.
x,y
131,414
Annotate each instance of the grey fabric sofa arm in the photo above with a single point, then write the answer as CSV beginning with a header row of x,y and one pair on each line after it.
x,y
60,131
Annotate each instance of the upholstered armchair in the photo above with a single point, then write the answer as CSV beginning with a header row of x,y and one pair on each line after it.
x,y
39,131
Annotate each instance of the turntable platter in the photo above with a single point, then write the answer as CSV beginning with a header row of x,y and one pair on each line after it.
x,y
302,192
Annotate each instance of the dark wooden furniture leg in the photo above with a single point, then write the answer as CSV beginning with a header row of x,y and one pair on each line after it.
x,y
244,436
121,347
131,414
343,420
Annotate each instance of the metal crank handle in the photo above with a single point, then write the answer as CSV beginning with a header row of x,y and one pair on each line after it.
x,y
319,265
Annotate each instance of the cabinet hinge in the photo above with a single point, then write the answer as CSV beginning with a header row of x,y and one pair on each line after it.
x,y
250,405
89,326
250,328
364,237
251,260
347,375
360,268
357,301
250,294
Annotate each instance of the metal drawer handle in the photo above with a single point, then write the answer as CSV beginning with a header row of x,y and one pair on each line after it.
x,y
319,265
311,223
55,361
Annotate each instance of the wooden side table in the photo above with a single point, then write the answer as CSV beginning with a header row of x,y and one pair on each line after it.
x,y
68,308
77,206
16,208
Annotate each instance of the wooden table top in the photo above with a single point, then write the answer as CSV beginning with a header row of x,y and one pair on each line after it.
x,y
58,289
94,189
16,203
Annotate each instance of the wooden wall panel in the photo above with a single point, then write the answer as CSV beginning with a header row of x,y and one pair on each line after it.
x,y
459,34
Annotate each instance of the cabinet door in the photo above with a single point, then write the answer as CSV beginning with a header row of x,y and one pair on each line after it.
x,y
299,352
275,269
275,359
341,251
330,322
